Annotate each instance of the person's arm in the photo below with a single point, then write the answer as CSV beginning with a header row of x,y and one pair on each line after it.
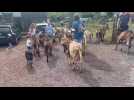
x,y
128,18
72,24
82,26
119,21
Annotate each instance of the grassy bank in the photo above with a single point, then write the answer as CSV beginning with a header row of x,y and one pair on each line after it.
x,y
93,26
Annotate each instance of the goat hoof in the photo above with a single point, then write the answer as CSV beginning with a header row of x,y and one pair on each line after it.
x,y
79,71
73,68
77,68
47,60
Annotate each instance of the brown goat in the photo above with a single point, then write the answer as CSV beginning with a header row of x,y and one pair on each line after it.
x,y
125,37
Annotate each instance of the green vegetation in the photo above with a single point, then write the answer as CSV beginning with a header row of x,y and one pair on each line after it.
x,y
95,18
93,26
93,23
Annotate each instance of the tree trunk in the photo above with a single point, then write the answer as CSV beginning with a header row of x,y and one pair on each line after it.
x,y
115,30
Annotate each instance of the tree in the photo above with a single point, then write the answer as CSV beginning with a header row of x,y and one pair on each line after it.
x,y
115,30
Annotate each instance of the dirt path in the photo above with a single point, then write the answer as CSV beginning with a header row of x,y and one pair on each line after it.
x,y
102,67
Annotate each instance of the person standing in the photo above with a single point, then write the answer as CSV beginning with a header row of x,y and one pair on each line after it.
x,y
78,34
123,23
78,26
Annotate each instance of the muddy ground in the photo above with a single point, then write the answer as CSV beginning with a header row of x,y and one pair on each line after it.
x,y
103,67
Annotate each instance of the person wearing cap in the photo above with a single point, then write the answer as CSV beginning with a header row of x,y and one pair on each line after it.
x,y
77,26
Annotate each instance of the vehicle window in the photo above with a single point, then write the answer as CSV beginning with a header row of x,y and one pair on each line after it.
x,y
14,30
40,28
4,30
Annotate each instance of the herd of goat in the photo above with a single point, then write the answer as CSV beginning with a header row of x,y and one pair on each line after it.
x,y
74,51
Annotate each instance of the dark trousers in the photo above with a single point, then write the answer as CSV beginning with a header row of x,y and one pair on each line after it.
x,y
123,28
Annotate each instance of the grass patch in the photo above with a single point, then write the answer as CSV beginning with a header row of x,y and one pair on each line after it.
x,y
93,26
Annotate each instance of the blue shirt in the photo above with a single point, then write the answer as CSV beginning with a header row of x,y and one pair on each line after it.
x,y
78,35
77,25
49,30
124,19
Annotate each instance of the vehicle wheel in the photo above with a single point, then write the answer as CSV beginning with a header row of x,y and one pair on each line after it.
x,y
15,42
